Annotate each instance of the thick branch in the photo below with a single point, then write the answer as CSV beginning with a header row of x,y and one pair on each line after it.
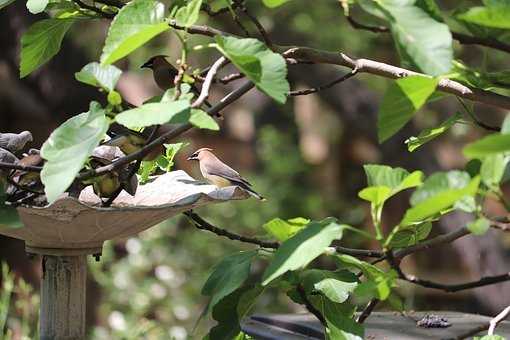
x,y
394,72
12,166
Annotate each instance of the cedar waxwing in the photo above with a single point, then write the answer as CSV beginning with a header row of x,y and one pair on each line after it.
x,y
164,74
15,142
29,179
129,141
7,157
220,174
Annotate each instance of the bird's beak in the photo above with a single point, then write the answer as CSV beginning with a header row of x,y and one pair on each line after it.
x,y
147,65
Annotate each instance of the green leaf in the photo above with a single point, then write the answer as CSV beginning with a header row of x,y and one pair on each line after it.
x,y
68,148
135,24
5,3
505,127
302,248
495,17
479,227
439,202
95,74
385,181
282,230
466,204
268,70
335,285
41,42
490,337
154,114
147,168
402,99
410,235
203,120
340,325
231,310
491,144
227,276
440,182
492,170
431,7
36,6
188,15
171,151
376,195
274,3
429,134
426,41
114,98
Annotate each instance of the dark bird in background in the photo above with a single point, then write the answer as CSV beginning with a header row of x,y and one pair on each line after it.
x,y
220,174
164,74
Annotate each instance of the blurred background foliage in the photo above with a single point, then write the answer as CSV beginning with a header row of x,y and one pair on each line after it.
x,y
306,157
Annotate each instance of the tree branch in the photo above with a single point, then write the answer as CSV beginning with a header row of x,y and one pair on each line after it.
x,y
227,100
497,319
368,66
368,310
204,93
311,308
94,9
325,86
12,166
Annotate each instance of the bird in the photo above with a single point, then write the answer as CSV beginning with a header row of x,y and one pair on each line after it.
x,y
220,174
15,142
164,74
7,157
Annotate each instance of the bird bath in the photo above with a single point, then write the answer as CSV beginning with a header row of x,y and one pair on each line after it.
x,y
68,230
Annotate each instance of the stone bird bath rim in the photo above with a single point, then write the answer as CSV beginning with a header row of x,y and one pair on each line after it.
x,y
70,226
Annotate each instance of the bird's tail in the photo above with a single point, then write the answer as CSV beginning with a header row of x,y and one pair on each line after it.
x,y
255,194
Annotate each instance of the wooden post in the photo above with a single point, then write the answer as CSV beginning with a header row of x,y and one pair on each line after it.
x,y
63,293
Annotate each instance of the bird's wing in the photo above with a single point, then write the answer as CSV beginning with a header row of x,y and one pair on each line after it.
x,y
222,170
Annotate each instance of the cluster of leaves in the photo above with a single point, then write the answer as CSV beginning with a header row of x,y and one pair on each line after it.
x,y
423,41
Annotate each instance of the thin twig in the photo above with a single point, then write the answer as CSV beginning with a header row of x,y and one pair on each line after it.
x,y
12,166
475,119
497,319
325,86
311,308
204,93
200,223
258,25
367,311
94,9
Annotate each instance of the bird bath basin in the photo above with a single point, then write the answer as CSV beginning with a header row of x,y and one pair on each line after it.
x,y
69,229
71,226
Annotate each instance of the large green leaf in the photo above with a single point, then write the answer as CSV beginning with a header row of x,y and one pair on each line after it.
x,y
493,169
227,276
491,144
283,229
135,24
231,310
36,6
438,202
188,15
339,321
95,74
493,16
203,120
378,283
384,181
154,114
426,41
41,42
335,285
429,134
402,99
410,235
68,148
268,70
439,182
302,248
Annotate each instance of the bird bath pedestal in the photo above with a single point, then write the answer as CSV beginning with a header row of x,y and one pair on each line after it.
x,y
68,230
